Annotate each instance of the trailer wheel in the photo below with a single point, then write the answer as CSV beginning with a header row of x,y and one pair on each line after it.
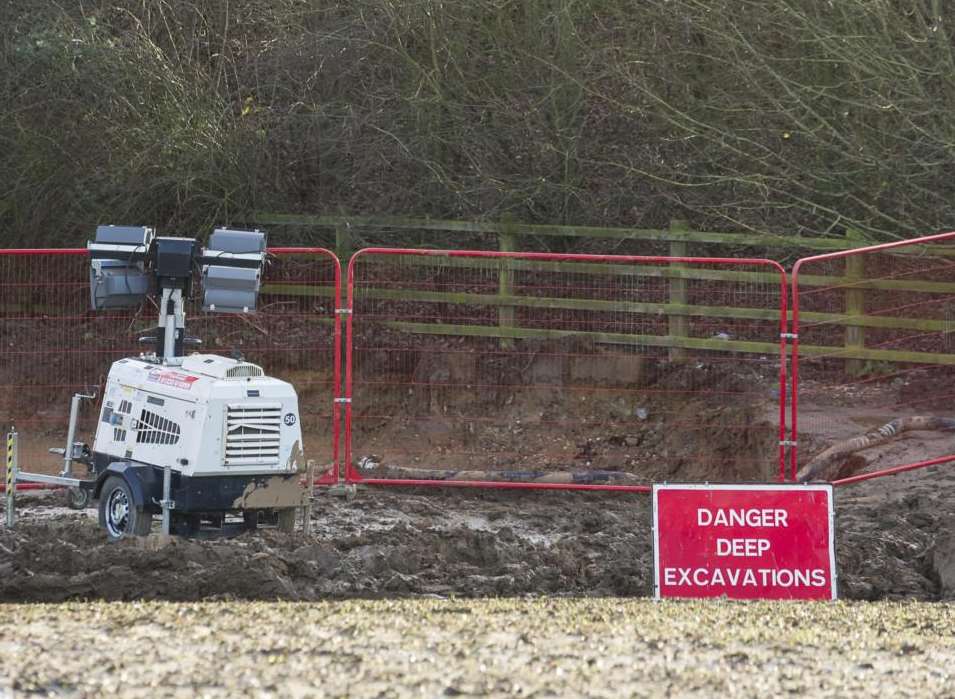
x,y
286,519
118,513
78,498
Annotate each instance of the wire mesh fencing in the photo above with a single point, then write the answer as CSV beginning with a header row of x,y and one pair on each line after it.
x,y
542,370
875,359
295,336
53,345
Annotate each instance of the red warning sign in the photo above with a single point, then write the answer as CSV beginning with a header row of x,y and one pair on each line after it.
x,y
744,541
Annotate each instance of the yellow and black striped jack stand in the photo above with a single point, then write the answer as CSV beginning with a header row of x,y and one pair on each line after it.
x,y
11,476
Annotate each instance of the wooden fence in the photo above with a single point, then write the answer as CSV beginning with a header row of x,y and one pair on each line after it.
x,y
852,322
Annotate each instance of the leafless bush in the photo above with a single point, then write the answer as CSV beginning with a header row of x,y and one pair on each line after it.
x,y
790,116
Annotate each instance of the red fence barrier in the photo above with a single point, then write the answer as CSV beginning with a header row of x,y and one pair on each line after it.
x,y
539,370
53,345
875,354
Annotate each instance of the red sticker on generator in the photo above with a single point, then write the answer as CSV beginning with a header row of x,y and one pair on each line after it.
x,y
744,541
172,378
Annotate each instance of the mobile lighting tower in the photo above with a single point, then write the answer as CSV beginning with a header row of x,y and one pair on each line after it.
x,y
198,438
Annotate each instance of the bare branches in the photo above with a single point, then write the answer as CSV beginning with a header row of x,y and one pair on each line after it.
x,y
787,116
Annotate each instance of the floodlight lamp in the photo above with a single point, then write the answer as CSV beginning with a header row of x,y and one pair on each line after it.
x,y
118,277
232,270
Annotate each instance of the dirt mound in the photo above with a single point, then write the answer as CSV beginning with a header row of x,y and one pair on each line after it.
x,y
895,538
381,544
893,542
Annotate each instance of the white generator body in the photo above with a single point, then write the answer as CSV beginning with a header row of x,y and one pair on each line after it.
x,y
208,416
197,438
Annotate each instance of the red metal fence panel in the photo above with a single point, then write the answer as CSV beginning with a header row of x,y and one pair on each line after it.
x,y
874,358
538,370
53,345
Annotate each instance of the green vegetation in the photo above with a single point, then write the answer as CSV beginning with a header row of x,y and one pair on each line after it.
x,y
795,117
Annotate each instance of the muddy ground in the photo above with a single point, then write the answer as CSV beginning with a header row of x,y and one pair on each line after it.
x,y
895,536
895,540
471,648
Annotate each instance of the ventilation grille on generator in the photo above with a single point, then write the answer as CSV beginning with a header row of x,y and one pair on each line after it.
x,y
244,371
155,429
253,433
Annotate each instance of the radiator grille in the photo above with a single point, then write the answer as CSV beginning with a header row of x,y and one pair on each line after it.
x,y
244,371
155,429
253,433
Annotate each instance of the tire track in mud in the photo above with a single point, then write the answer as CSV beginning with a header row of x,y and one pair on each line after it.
x,y
895,539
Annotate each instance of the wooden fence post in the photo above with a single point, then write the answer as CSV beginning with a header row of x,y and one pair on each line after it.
x,y
507,242
855,304
343,242
678,324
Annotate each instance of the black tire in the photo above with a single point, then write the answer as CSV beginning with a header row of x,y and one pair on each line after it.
x,y
286,519
118,514
78,498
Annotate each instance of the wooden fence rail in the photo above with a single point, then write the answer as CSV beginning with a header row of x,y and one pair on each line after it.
x,y
344,227
679,238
